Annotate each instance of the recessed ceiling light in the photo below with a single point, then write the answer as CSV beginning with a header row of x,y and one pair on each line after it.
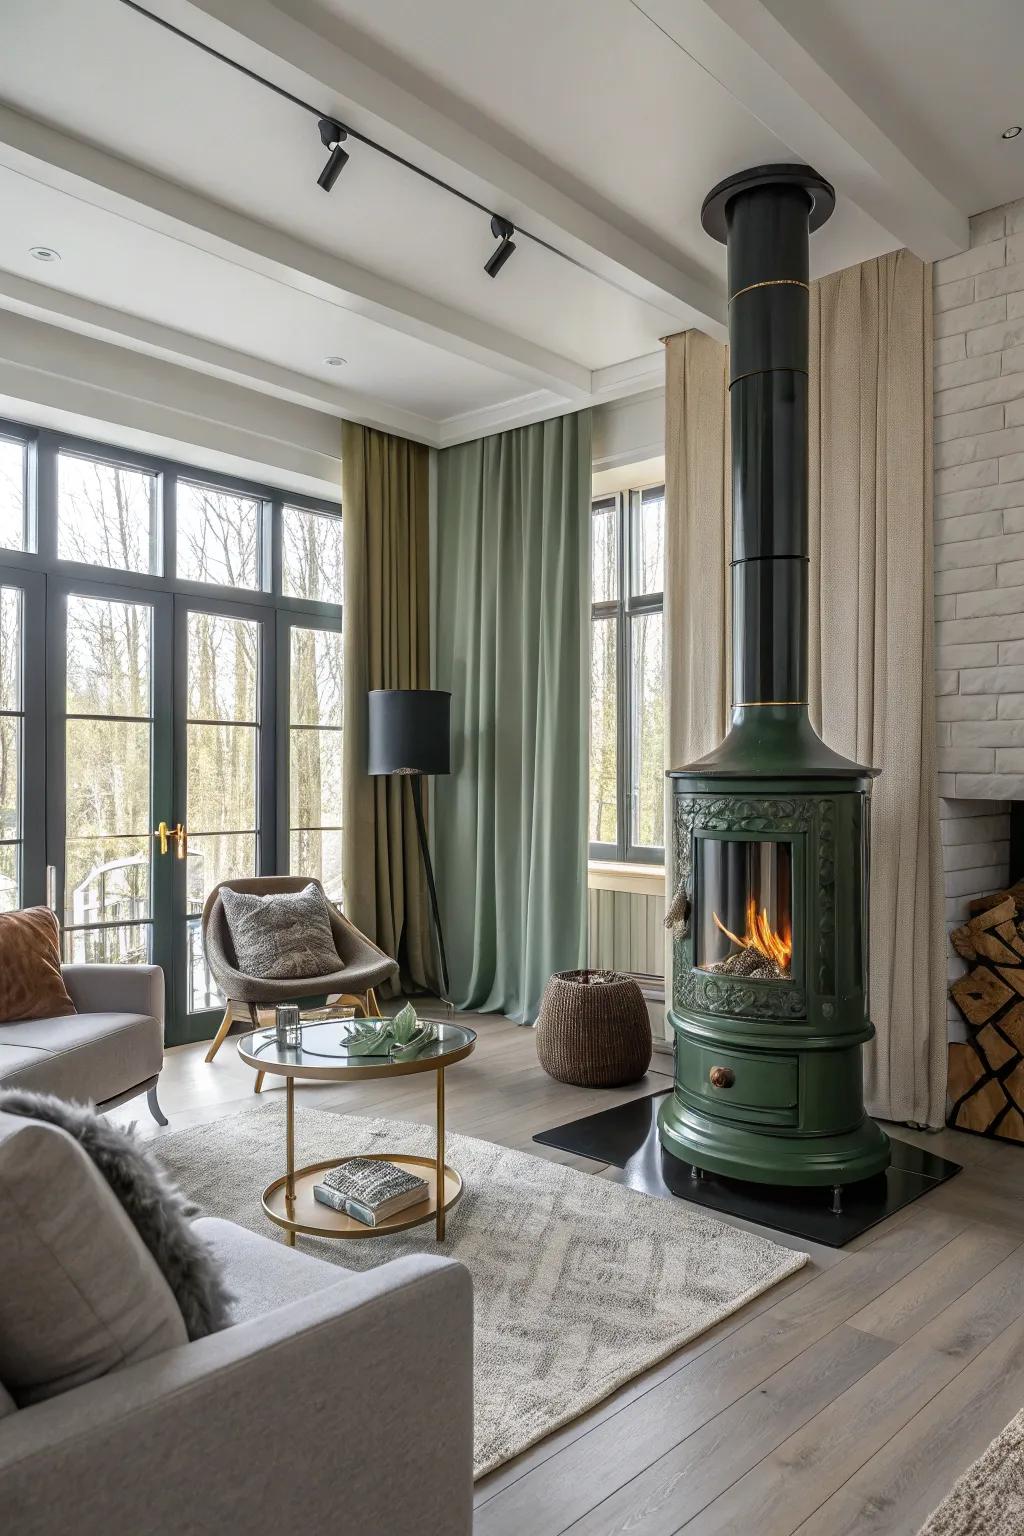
x,y
44,253
1012,133
335,362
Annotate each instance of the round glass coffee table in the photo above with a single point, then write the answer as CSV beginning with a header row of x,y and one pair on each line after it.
x,y
322,1057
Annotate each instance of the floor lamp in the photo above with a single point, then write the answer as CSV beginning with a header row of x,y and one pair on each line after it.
x,y
410,733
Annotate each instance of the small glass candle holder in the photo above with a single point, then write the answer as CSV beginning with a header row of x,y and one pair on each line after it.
x,y
287,1025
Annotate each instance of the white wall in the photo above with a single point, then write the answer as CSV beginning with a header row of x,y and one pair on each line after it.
x,y
57,378
627,431
979,558
979,510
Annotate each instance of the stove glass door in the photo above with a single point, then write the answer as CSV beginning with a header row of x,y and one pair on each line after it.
x,y
744,908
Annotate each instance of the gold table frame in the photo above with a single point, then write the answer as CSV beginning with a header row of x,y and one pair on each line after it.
x,y
288,1200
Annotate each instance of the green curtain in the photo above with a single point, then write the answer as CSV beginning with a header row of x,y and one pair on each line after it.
x,y
512,638
385,503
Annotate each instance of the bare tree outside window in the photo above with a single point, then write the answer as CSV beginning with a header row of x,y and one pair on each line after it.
x,y
647,681
106,515
218,536
123,626
604,633
311,555
10,748
315,756
627,786
12,494
107,911
222,746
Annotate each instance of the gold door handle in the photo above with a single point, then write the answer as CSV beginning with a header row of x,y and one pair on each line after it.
x,y
163,831
180,836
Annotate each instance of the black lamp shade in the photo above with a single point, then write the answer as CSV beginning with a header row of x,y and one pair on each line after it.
x,y
410,730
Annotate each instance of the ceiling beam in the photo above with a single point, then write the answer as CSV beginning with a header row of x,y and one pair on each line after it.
x,y
344,72
70,165
743,46
85,317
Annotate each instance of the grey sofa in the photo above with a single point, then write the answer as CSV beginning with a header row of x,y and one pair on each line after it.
x,y
110,1051
337,1403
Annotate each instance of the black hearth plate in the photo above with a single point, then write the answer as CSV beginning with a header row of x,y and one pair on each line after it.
x,y
627,1137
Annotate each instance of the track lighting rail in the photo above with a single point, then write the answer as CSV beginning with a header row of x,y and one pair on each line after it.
x,y
328,124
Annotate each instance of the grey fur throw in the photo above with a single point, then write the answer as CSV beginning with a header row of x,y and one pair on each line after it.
x,y
156,1207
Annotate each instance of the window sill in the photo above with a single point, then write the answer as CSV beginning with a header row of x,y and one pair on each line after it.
x,y
612,875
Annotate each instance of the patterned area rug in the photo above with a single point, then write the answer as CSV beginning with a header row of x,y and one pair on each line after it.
x,y
579,1284
988,1500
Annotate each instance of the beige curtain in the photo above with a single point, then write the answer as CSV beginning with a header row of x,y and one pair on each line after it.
x,y
872,661
698,548
698,545
871,653
385,507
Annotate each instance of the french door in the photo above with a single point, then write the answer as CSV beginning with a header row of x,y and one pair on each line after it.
x,y
170,699
224,799
153,744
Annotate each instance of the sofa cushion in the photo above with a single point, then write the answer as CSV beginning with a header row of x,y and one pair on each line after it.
x,y
260,1272
94,1056
80,1295
31,985
158,1210
286,935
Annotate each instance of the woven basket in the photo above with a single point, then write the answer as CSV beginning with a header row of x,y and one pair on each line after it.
x,y
593,1029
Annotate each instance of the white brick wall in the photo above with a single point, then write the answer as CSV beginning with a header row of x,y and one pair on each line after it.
x,y
979,509
979,557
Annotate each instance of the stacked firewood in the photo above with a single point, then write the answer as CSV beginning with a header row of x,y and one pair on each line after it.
x,y
986,1073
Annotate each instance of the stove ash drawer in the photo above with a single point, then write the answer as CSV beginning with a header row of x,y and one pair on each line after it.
x,y
739,1085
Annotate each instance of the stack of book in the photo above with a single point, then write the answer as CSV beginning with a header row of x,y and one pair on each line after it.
x,y
370,1190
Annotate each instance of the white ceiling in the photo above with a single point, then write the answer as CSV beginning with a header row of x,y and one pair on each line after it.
x,y
183,199
943,77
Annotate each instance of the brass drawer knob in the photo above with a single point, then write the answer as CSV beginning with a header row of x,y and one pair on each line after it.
x,y
722,1077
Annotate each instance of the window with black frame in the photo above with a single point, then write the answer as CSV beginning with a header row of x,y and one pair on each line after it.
x,y
627,709
170,697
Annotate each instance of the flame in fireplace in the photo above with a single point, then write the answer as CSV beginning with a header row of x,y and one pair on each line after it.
x,y
760,935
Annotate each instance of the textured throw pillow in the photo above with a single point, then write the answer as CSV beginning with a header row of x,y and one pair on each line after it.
x,y
79,1294
284,936
31,985
156,1208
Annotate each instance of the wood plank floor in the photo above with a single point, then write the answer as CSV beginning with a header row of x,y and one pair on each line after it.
x,y
845,1401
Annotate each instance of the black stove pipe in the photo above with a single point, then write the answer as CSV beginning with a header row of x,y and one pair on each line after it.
x,y
764,216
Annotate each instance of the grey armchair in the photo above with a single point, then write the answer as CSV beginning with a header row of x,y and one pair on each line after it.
x,y
362,967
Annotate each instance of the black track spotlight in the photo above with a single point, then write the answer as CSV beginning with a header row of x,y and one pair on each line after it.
x,y
332,136
502,230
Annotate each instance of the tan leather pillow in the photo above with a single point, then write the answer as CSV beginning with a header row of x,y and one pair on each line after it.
x,y
31,984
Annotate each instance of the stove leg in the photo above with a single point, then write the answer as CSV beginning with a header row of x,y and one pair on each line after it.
x,y
837,1199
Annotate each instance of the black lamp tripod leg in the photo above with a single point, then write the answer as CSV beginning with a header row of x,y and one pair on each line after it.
x,y
417,801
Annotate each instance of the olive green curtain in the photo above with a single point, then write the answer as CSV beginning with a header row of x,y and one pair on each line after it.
x,y
512,636
871,649
385,511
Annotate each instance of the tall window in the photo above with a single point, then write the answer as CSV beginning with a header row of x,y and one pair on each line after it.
x,y
170,697
109,731
314,749
627,711
11,720
13,468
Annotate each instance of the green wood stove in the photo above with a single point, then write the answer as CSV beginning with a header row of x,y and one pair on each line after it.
x,y
770,831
